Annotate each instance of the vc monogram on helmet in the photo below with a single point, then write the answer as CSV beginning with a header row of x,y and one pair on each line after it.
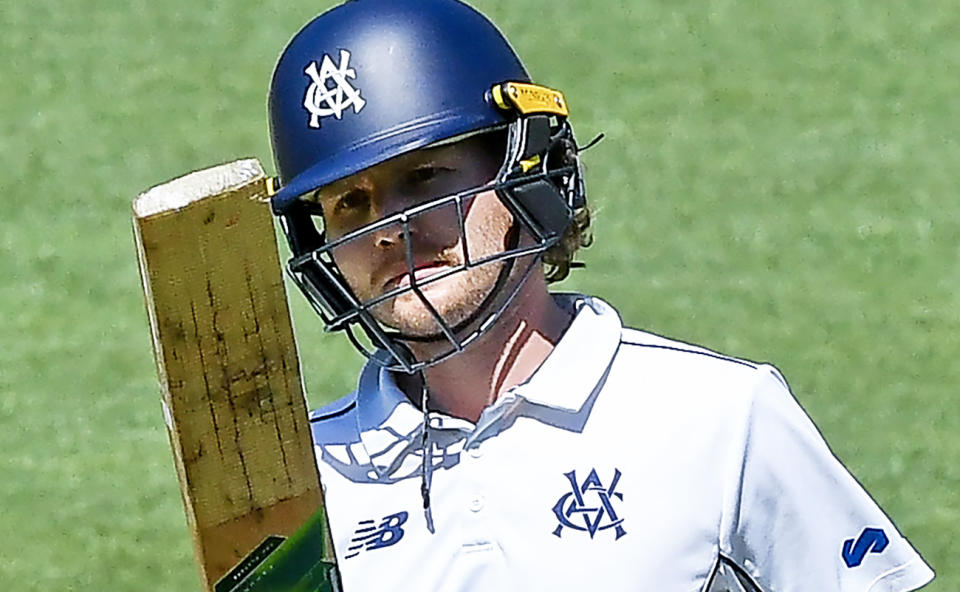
x,y
330,93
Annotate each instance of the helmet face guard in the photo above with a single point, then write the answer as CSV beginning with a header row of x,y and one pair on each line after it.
x,y
538,183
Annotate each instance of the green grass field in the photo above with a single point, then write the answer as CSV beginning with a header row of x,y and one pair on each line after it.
x,y
775,184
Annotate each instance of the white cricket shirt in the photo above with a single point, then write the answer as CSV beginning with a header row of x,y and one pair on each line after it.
x,y
626,462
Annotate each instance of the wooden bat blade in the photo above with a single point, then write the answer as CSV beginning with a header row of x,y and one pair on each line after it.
x,y
232,394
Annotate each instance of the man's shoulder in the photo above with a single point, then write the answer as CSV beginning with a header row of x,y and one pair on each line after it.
x,y
335,422
680,353
675,386
687,370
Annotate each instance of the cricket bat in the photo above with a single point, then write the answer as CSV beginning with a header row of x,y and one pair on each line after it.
x,y
231,390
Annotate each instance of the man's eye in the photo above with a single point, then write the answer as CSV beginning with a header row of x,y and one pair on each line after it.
x,y
352,202
425,174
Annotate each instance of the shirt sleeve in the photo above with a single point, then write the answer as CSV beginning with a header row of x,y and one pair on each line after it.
x,y
795,519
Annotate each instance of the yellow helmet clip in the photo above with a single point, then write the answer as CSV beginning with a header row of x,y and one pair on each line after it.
x,y
529,98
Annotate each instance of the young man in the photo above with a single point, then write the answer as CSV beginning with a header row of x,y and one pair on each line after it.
x,y
501,437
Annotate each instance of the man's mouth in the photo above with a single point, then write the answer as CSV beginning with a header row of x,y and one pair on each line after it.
x,y
421,273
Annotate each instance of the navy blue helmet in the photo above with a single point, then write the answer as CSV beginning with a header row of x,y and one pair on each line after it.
x,y
370,80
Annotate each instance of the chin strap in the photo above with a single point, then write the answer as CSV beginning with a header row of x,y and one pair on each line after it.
x,y
426,450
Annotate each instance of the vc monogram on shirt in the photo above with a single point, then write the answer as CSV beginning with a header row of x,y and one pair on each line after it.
x,y
589,506
370,535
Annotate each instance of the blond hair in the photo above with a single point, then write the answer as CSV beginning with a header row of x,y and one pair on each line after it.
x,y
558,259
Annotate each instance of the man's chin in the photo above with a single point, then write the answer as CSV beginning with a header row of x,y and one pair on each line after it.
x,y
409,316
456,300
415,320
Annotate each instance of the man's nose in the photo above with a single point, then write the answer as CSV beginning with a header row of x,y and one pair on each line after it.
x,y
392,205
389,237
436,225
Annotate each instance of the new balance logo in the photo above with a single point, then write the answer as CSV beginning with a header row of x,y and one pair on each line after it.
x,y
370,535
330,93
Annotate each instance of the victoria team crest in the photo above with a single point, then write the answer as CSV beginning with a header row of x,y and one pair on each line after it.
x,y
589,506
330,91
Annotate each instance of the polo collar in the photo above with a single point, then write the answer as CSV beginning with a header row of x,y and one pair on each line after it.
x,y
579,362
390,426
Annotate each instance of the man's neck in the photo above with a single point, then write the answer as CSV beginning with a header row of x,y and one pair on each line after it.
x,y
506,356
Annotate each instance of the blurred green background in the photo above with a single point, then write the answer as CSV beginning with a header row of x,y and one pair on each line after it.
x,y
779,182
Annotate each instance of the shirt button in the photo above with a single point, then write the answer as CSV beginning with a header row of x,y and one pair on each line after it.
x,y
476,504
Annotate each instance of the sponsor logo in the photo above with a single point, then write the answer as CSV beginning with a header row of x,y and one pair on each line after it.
x,y
589,506
330,91
871,540
370,535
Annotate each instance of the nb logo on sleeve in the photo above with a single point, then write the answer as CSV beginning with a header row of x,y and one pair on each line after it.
x,y
871,540
370,535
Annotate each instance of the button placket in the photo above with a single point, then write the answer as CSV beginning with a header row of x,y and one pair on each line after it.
x,y
474,499
476,504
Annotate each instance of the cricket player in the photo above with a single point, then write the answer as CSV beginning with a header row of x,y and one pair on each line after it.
x,y
502,437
